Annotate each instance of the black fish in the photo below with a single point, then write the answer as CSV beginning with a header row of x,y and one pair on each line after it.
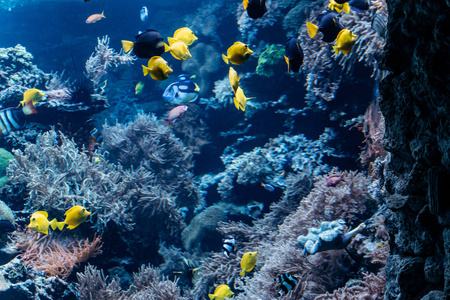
x,y
6,226
293,54
359,5
287,281
255,8
329,26
340,1
228,246
13,118
146,45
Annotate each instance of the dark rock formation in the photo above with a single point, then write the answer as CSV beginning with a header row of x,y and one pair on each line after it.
x,y
415,103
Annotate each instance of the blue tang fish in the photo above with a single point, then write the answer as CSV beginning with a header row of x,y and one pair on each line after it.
x,y
182,91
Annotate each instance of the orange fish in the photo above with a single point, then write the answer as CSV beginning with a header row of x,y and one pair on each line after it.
x,y
94,18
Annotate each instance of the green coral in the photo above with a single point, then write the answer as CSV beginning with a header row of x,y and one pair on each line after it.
x,y
5,157
270,61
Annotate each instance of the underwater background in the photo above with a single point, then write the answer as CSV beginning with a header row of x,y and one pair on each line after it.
x,y
175,200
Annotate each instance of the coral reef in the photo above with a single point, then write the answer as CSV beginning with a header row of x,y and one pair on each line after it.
x,y
54,254
5,158
270,60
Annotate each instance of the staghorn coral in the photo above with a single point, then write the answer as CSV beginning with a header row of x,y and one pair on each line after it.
x,y
54,254
148,283
104,58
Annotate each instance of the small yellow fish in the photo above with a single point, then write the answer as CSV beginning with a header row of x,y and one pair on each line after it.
x,y
178,49
344,41
40,223
32,94
234,79
240,101
186,35
221,292
75,216
94,18
157,68
248,262
139,88
339,7
237,54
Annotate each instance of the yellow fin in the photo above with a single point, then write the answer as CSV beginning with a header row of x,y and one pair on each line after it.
x,y
336,49
245,3
55,224
242,273
312,29
236,103
145,70
225,59
127,46
211,296
42,213
72,226
172,40
346,7
287,61
102,15
166,48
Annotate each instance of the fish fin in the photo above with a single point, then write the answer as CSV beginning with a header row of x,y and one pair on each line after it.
x,y
245,3
46,231
287,62
262,184
225,59
211,296
242,273
145,70
55,224
72,226
312,29
336,49
236,102
102,15
166,121
44,213
70,210
28,108
166,48
127,46
172,40
193,77
346,8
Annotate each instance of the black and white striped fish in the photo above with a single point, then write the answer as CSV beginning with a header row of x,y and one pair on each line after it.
x,y
228,246
13,118
287,282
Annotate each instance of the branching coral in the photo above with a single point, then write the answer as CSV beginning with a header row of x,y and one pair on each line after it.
x,y
104,58
59,176
54,254
148,283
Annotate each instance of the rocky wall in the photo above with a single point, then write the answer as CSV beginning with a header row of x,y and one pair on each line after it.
x,y
415,103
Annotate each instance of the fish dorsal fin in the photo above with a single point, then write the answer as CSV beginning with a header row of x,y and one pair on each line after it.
x,y
44,213
339,35
178,31
70,210
245,3
312,29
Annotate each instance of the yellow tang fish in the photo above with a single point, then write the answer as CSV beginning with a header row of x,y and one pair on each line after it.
x,y
157,68
240,101
139,88
221,292
344,41
75,216
32,94
234,79
248,262
94,18
237,54
40,223
339,7
178,49
186,35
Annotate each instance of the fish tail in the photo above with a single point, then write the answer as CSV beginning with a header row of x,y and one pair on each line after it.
x,y
225,59
103,15
55,224
166,48
312,29
336,49
127,46
242,273
145,70
28,108
346,8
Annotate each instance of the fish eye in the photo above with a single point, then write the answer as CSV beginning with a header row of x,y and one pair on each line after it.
x,y
33,219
